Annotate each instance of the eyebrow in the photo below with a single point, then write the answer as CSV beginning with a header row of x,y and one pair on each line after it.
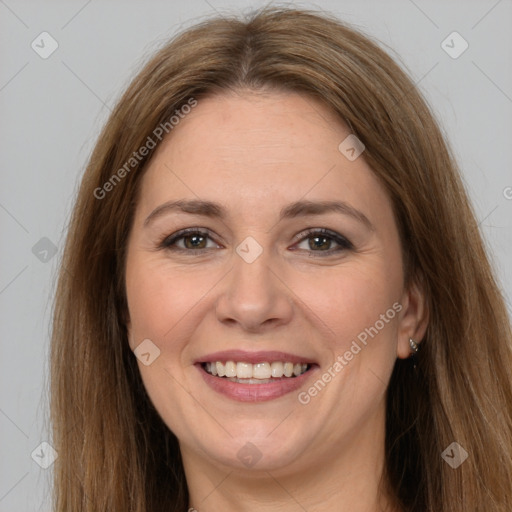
x,y
292,210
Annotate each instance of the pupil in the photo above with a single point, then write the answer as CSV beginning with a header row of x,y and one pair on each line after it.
x,y
324,242
194,241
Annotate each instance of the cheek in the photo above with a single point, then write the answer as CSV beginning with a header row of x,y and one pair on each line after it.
x,y
162,300
348,301
165,301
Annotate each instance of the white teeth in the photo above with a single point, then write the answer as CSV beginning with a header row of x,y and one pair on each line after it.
x,y
260,372
276,369
221,371
288,369
250,381
230,369
244,370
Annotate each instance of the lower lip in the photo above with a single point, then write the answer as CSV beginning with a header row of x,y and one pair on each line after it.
x,y
255,392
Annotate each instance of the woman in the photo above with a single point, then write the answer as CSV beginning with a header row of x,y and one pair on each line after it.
x,y
274,294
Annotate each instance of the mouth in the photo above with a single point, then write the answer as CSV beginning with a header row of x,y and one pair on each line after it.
x,y
255,377
259,373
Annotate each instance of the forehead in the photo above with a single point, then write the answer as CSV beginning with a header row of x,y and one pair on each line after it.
x,y
268,125
250,149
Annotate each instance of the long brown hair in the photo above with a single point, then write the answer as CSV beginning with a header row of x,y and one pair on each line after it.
x,y
115,452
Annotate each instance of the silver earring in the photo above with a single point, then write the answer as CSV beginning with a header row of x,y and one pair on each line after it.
x,y
414,346
414,350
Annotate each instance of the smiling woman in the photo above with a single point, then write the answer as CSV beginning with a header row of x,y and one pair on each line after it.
x,y
286,303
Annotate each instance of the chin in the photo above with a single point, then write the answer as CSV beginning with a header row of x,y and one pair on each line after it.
x,y
254,449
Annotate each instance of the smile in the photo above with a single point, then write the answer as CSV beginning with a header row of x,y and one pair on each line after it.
x,y
256,381
258,373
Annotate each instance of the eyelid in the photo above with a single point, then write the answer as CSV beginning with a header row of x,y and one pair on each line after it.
x,y
324,231
174,237
342,241
169,241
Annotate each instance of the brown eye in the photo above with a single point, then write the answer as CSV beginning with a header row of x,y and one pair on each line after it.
x,y
189,240
322,241
194,241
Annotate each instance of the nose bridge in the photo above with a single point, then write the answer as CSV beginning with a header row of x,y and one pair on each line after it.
x,y
252,267
253,295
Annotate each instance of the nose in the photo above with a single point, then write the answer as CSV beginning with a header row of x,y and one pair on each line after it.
x,y
254,296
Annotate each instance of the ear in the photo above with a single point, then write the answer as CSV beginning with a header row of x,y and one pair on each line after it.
x,y
413,319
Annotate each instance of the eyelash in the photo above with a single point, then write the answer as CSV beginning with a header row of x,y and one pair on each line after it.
x,y
343,243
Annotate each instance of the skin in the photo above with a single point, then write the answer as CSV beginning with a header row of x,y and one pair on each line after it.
x,y
254,153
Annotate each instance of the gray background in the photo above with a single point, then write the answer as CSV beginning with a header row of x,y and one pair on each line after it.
x,y
51,111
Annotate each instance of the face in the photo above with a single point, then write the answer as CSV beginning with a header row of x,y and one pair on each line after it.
x,y
301,302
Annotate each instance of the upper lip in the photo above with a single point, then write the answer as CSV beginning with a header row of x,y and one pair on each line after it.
x,y
253,357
